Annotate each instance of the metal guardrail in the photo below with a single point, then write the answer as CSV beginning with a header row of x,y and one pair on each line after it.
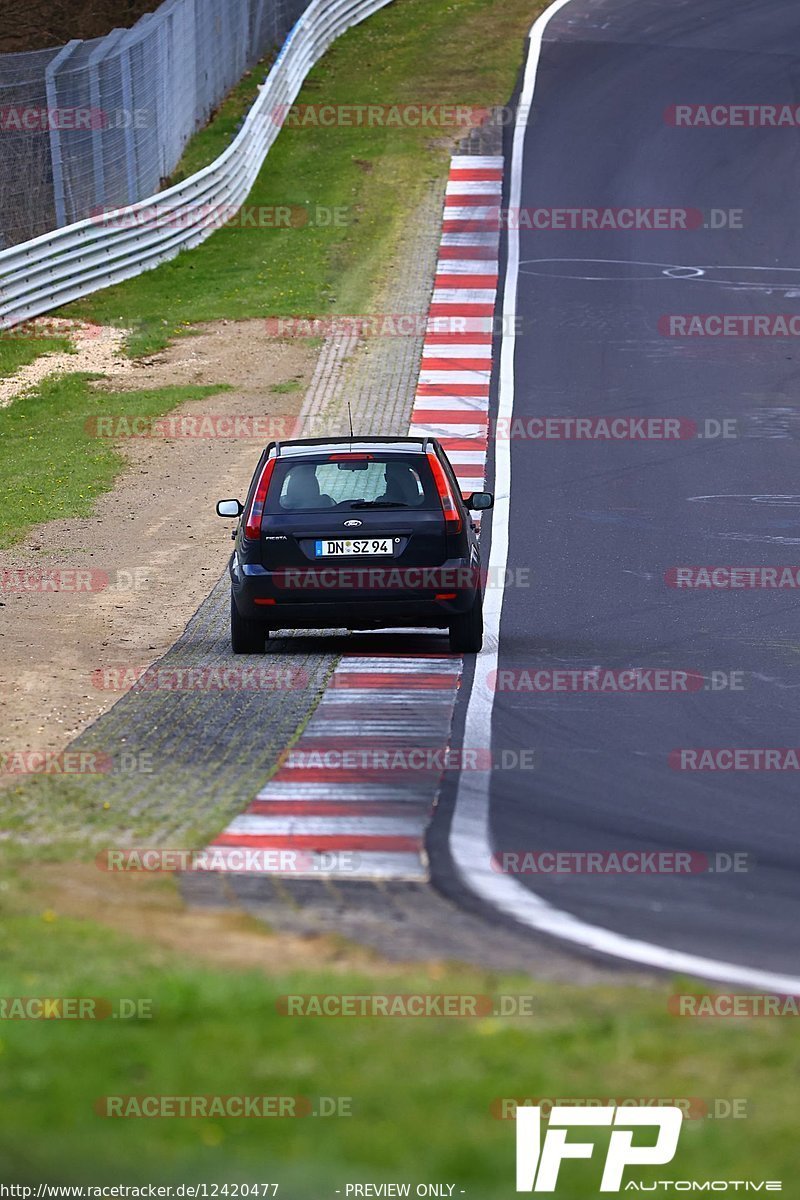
x,y
48,271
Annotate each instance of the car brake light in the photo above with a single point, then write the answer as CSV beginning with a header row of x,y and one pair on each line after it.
x,y
452,517
342,457
253,527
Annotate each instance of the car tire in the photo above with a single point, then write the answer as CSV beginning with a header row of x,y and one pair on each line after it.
x,y
466,629
247,637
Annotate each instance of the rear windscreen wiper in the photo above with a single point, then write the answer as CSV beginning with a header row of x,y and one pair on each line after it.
x,y
379,504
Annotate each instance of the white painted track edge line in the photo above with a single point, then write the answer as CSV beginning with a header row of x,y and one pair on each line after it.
x,y
470,844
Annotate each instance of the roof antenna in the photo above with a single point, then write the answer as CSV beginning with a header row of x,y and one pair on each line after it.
x,y
350,416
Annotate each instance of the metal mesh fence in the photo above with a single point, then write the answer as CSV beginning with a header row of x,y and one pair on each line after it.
x,y
99,124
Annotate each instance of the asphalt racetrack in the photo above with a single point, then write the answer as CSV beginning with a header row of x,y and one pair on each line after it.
x,y
603,523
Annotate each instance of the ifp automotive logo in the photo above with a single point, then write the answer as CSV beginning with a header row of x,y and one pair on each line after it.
x,y
538,1162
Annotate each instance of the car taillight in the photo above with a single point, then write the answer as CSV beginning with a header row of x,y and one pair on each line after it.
x,y
452,517
252,528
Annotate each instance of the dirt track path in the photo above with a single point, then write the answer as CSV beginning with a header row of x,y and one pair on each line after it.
x,y
154,543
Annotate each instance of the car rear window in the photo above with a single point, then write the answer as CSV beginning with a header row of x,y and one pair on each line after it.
x,y
352,483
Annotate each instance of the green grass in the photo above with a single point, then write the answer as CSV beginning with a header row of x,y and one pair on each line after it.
x,y
18,349
52,465
283,389
420,1089
374,176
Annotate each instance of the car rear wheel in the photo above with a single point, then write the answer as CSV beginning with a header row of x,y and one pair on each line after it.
x,y
466,629
247,637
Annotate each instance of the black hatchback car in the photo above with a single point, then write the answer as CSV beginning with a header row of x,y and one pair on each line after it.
x,y
362,533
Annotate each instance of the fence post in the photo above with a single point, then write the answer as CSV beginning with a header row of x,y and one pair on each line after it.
x,y
245,48
188,45
164,114
54,132
256,49
130,139
97,115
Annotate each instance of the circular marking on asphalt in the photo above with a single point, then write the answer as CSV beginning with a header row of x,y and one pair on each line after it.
x,y
779,500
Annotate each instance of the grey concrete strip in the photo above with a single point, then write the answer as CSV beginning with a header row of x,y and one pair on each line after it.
x,y
284,790
403,921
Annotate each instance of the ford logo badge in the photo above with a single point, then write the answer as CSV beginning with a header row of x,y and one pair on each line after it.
x,y
351,524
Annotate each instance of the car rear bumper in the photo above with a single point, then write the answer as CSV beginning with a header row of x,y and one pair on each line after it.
x,y
264,595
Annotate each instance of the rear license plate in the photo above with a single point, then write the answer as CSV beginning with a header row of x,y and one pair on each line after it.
x,y
350,546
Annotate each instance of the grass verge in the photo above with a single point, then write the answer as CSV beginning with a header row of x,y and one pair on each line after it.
x,y
421,1092
17,349
52,465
